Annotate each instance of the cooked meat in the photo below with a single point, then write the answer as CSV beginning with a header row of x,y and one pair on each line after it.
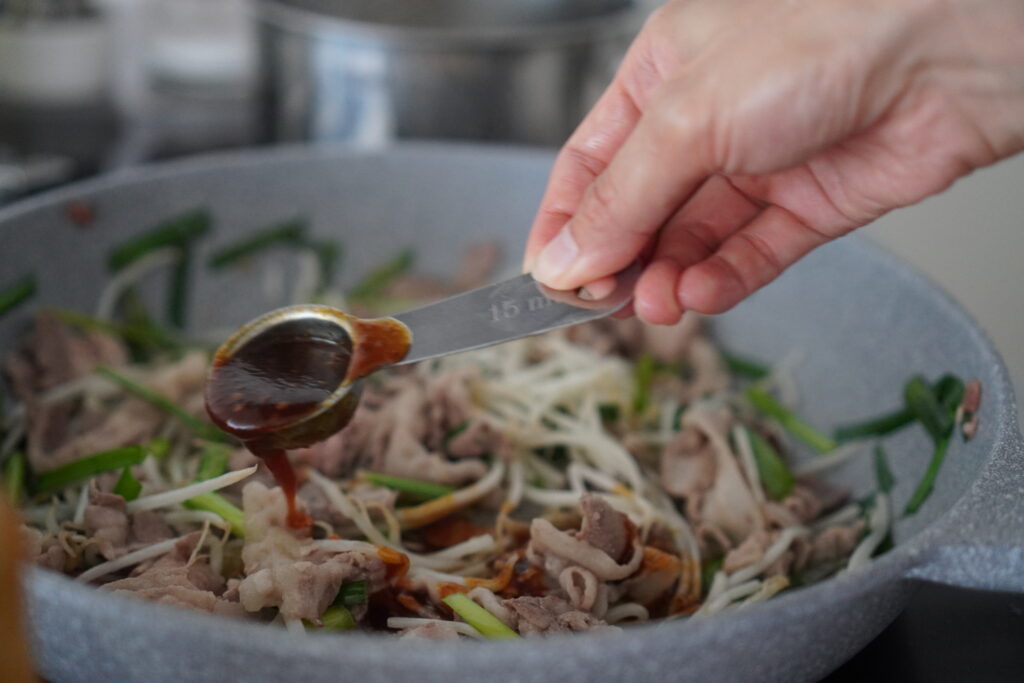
x,y
290,573
448,398
813,497
106,523
604,528
45,551
729,504
478,438
320,509
550,614
658,575
433,630
836,542
172,580
688,468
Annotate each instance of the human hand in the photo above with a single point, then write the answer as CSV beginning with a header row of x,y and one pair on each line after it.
x,y
740,134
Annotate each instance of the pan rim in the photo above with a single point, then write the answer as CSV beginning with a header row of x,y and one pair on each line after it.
x,y
890,567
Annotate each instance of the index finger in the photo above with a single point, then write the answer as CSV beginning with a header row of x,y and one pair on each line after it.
x,y
591,147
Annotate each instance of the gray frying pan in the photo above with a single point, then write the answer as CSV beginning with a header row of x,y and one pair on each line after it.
x,y
861,320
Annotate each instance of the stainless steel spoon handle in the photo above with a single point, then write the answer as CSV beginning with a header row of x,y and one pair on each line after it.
x,y
508,310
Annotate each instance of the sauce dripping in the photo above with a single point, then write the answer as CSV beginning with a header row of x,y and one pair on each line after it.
x,y
284,474
264,390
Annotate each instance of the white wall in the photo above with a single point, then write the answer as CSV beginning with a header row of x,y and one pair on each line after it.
x,y
970,239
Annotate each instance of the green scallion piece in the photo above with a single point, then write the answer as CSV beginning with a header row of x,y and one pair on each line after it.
x,y
139,335
883,475
334,618
353,593
745,367
422,490
927,483
127,486
922,402
767,404
73,472
14,477
201,429
643,377
879,426
219,505
138,316
213,462
158,446
708,569
778,481
175,232
377,280
949,390
609,412
454,432
328,254
16,293
177,297
288,233
476,616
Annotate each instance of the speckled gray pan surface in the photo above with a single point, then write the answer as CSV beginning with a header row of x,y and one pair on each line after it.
x,y
860,321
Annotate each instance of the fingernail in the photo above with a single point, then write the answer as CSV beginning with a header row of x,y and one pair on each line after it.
x,y
598,289
557,257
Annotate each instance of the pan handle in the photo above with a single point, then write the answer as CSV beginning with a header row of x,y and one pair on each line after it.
x,y
980,543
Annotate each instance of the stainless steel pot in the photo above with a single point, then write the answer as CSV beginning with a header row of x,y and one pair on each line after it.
x,y
366,71
862,320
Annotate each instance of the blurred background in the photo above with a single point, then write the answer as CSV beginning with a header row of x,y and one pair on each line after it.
x,y
93,86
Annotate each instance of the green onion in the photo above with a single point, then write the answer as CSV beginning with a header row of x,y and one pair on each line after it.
x,y
557,455
920,399
377,280
883,475
213,462
879,426
181,276
477,617
328,253
334,618
643,377
127,486
949,390
219,505
68,474
17,292
745,367
158,446
175,232
609,412
353,593
292,232
455,431
179,232
202,429
777,479
14,477
708,569
423,490
767,404
924,487
131,333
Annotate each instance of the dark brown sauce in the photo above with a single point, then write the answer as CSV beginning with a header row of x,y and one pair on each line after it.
x,y
283,375
284,474
276,379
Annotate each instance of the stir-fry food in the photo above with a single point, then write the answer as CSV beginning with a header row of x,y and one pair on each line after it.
x,y
584,480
